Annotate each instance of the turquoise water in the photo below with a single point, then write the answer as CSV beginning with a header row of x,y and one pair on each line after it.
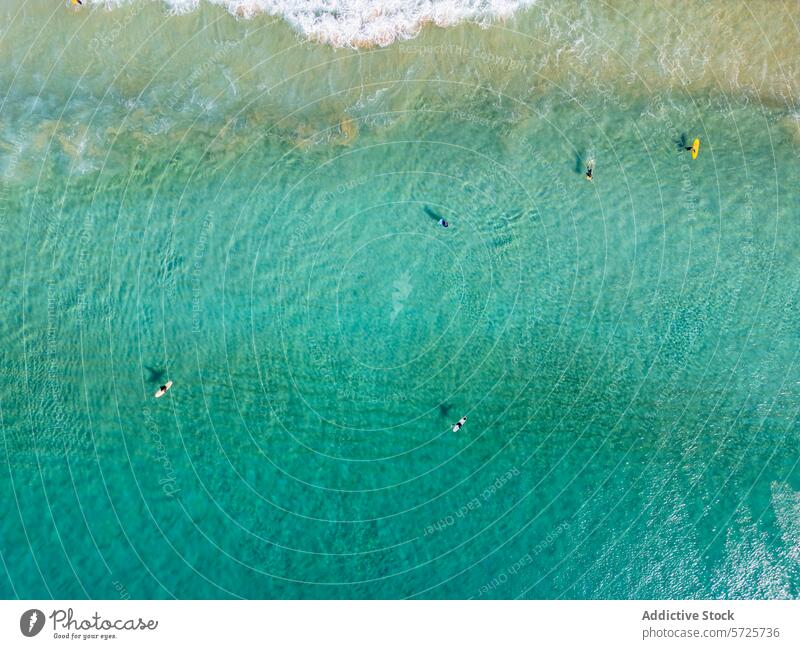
x,y
221,203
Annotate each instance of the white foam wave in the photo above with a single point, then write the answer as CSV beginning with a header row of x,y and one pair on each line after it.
x,y
363,23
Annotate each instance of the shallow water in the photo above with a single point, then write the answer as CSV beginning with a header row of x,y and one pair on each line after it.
x,y
219,202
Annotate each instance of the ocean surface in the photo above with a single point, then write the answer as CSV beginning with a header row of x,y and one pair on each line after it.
x,y
243,197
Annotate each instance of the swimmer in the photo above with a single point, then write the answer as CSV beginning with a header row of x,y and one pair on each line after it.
x,y
444,223
589,170
163,389
457,426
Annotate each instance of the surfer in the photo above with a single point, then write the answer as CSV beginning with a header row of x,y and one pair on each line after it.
x,y
457,426
695,148
77,2
589,168
163,389
437,217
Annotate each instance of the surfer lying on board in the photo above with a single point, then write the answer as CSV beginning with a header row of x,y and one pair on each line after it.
x,y
457,426
589,168
163,389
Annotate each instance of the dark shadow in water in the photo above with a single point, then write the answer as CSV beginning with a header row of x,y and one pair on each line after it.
x,y
432,214
445,408
682,142
580,164
155,375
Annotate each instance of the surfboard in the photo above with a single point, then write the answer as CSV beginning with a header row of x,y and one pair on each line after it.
x,y
163,389
695,148
458,425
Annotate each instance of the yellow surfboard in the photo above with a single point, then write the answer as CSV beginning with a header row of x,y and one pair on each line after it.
x,y
695,148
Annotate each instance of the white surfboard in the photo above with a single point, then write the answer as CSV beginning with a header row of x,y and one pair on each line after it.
x,y
163,389
457,426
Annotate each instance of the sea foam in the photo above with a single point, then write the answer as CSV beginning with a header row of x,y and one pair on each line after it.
x,y
363,23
